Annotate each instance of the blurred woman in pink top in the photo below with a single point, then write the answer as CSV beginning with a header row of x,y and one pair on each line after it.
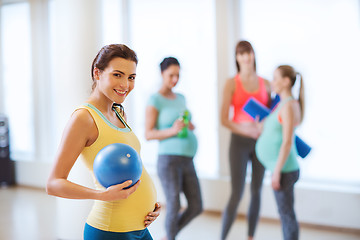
x,y
237,91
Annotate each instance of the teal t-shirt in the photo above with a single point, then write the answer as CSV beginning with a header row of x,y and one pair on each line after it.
x,y
268,144
168,111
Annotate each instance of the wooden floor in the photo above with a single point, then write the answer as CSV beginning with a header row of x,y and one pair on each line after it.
x,y
28,214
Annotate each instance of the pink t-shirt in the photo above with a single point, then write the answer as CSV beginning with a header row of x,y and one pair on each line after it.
x,y
241,96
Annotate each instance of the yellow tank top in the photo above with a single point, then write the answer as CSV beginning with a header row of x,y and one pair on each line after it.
x,y
126,214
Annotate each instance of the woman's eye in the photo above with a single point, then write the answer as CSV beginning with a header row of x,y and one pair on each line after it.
x,y
117,75
132,78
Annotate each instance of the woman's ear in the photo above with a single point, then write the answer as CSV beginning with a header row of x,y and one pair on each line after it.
x,y
96,73
287,82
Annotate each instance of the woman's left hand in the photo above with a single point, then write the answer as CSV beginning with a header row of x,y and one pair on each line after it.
x,y
152,215
275,180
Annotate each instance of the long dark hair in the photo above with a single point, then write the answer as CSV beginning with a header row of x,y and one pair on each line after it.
x,y
244,47
289,71
109,52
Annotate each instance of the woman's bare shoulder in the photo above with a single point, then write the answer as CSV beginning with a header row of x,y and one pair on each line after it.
x,y
81,119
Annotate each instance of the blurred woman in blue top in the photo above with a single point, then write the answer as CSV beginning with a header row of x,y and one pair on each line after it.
x,y
175,165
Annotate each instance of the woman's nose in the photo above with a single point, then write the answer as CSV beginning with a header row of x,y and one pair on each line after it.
x,y
124,83
175,79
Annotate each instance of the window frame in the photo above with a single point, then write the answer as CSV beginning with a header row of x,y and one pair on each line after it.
x,y
39,51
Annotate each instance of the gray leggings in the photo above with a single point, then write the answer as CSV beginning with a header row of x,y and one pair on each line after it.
x,y
177,174
242,149
285,202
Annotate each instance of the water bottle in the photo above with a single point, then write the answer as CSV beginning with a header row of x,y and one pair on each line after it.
x,y
185,118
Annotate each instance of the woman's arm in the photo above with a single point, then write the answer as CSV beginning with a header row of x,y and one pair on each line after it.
x,y
150,126
80,131
248,130
225,107
288,123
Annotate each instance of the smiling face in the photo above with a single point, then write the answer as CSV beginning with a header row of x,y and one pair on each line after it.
x,y
171,76
117,80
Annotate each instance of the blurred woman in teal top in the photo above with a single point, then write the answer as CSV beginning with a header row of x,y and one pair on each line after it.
x,y
166,118
169,112
275,148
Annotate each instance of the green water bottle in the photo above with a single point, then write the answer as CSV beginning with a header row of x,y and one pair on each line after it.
x,y
185,118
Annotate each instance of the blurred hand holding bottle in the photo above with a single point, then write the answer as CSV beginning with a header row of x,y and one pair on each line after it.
x,y
185,117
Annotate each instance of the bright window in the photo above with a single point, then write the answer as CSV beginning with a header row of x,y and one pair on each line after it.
x,y
17,77
162,28
321,40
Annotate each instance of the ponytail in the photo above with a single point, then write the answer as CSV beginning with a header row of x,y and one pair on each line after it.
x,y
301,98
295,78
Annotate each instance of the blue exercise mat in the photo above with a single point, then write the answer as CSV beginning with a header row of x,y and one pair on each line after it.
x,y
256,109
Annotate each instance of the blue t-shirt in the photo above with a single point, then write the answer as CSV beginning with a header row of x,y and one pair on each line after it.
x,y
168,111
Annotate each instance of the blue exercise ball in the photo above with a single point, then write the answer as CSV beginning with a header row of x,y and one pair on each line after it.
x,y
117,163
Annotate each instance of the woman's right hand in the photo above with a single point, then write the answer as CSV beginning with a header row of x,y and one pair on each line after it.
x,y
117,192
250,130
177,126
254,133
